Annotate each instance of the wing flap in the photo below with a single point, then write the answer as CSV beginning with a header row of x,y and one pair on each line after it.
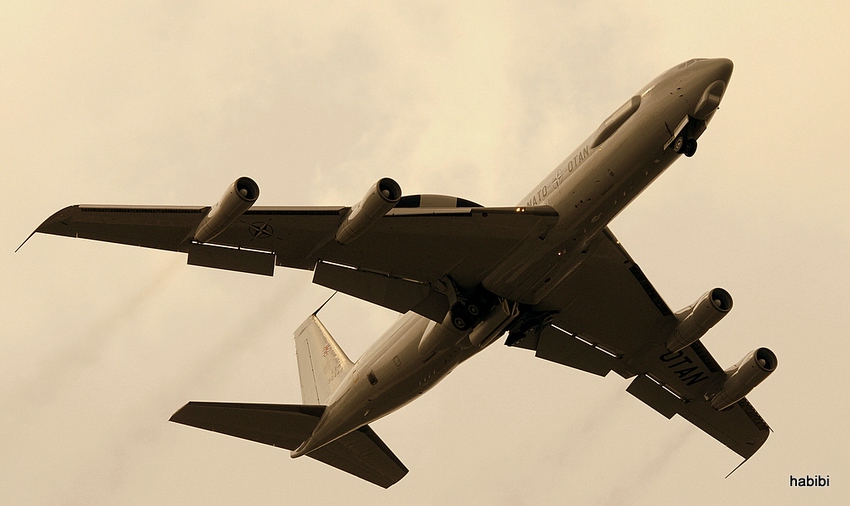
x,y
394,293
566,349
655,396
219,257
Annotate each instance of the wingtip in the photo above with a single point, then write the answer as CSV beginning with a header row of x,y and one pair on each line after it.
x,y
176,417
57,221
48,226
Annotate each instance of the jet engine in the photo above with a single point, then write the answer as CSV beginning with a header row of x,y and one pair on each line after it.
x,y
695,320
744,376
380,198
238,198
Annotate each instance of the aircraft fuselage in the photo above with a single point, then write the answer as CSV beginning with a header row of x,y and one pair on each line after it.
x,y
588,189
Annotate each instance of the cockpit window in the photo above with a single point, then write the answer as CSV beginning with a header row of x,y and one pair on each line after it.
x,y
690,62
683,65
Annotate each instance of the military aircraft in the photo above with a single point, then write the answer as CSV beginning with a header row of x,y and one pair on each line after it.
x,y
548,272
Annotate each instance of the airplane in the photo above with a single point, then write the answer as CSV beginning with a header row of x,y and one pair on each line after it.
x,y
547,272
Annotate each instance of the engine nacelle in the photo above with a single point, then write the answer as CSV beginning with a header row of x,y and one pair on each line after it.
x,y
238,198
695,320
744,376
380,198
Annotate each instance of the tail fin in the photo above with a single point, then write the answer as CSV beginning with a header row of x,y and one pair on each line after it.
x,y
321,362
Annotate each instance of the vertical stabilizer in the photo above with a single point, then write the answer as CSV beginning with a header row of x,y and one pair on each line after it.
x,y
322,364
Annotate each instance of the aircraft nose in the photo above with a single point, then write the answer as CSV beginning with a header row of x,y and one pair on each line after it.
x,y
720,69
715,75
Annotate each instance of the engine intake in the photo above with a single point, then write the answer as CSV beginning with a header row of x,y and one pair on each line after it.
x,y
696,320
744,376
379,200
238,198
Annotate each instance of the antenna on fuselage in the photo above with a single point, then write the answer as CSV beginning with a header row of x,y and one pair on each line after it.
x,y
323,304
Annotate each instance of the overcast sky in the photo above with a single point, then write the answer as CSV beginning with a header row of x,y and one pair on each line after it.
x,y
167,103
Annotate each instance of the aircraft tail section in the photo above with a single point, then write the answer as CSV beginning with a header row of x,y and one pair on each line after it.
x,y
322,364
361,453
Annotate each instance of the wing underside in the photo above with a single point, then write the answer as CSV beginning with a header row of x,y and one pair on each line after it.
x,y
402,262
609,317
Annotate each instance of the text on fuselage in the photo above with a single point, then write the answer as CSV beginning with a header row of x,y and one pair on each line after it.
x,y
560,174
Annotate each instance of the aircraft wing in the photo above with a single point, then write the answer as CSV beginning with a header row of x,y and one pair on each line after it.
x,y
402,261
608,316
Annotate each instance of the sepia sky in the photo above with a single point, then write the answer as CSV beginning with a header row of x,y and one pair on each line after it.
x,y
166,103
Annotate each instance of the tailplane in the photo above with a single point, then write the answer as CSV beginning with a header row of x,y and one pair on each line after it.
x,y
361,453
322,364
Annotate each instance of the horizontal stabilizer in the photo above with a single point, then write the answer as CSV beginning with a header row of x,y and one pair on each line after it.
x,y
282,425
361,453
